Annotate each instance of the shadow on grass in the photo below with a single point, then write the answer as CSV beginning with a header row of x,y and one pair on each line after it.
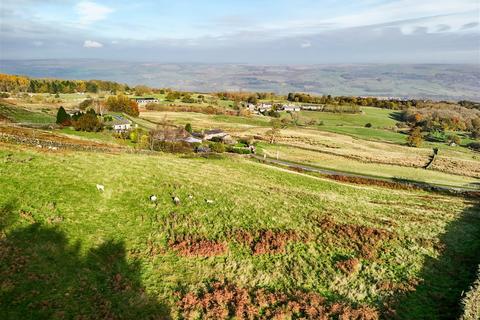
x,y
397,116
448,277
42,276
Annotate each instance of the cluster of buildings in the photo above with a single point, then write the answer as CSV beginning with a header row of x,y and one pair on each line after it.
x,y
264,107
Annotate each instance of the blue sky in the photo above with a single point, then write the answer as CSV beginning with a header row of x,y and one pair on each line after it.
x,y
246,31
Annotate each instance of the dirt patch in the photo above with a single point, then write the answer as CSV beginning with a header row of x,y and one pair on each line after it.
x,y
224,301
196,246
366,241
267,241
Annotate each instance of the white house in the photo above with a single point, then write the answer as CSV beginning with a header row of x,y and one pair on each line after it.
x,y
312,108
290,108
144,101
119,124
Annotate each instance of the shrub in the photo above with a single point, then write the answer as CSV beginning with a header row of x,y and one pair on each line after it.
x,y
238,150
85,104
453,138
368,125
474,146
188,128
217,147
88,122
4,95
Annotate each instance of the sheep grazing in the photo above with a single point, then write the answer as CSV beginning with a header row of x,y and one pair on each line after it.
x,y
208,201
176,200
153,198
190,197
101,187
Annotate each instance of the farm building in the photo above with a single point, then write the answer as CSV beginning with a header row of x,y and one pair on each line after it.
x,y
215,135
119,124
144,101
312,108
290,108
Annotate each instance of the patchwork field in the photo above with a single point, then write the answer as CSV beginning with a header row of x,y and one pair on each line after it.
x,y
455,166
353,250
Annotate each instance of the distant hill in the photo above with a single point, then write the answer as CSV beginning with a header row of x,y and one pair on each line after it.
x,y
423,81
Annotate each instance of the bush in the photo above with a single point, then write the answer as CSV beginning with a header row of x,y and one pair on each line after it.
x,y
217,147
239,150
88,122
474,146
453,138
368,125
85,104
4,95
188,128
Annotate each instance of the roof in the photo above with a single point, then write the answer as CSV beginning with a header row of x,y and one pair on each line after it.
x,y
149,98
192,140
214,131
118,120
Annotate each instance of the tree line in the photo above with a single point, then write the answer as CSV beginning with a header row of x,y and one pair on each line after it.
x,y
13,83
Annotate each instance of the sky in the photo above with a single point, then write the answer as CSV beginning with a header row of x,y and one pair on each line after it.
x,y
243,31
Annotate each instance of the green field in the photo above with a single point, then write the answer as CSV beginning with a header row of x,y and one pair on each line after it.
x,y
17,114
70,250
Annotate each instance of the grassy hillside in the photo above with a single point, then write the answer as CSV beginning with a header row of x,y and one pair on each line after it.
x,y
68,249
18,114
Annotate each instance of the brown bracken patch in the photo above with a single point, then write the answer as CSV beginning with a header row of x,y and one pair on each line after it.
x,y
266,241
348,266
196,246
390,286
366,241
372,182
225,301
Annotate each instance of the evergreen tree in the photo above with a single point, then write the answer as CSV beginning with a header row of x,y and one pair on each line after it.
x,y
62,116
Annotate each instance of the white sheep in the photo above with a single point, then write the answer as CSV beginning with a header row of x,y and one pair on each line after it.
x,y
100,187
176,200
153,198
209,201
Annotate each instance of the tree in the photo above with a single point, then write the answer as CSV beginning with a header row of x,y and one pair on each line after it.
x,y
141,90
415,138
63,117
273,133
122,103
476,127
188,128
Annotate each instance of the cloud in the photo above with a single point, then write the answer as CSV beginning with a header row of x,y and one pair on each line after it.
x,y
37,43
90,12
306,44
92,44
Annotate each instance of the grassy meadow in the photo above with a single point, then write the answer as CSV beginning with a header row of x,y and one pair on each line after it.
x,y
117,254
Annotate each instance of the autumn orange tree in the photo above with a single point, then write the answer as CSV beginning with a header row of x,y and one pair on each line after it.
x,y
415,138
122,103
